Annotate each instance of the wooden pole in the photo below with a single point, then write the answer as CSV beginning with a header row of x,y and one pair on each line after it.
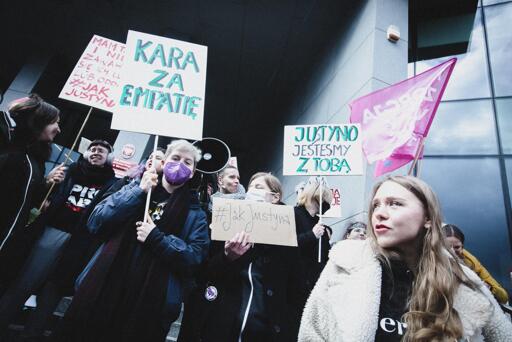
x,y
67,156
417,156
320,221
148,198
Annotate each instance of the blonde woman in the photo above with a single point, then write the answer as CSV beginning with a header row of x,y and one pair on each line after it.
x,y
309,231
401,284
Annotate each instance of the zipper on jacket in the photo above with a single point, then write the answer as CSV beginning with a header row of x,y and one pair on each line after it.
x,y
22,204
248,304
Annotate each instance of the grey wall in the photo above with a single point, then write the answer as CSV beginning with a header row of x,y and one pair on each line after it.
x,y
25,80
360,60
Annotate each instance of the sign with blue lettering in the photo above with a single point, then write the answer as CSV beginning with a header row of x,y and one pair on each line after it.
x,y
329,149
162,87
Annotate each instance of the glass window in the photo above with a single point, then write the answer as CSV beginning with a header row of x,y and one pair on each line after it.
x,y
504,109
492,2
410,70
497,20
465,127
471,196
470,77
508,167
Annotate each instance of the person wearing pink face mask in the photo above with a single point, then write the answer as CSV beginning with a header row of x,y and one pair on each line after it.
x,y
133,287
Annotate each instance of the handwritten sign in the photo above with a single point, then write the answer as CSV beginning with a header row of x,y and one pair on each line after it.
x,y
266,223
96,75
335,209
330,149
162,87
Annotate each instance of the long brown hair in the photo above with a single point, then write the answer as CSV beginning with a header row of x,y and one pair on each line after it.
x,y
431,315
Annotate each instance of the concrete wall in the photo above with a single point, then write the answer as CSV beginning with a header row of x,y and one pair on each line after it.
x,y
359,61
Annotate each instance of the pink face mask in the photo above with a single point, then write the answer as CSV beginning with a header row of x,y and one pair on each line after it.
x,y
176,173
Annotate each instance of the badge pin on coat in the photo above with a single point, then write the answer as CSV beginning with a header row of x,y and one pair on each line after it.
x,y
211,293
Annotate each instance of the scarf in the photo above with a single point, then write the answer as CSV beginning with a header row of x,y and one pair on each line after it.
x,y
123,295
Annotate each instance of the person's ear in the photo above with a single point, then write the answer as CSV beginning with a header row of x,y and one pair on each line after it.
x,y
428,224
275,198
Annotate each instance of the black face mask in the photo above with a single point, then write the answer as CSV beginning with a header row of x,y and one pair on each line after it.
x,y
325,206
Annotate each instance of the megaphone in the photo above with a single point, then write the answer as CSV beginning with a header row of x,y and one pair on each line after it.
x,y
216,155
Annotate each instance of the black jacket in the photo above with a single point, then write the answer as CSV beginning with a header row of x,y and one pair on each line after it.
x,y
308,248
22,183
79,173
82,244
277,293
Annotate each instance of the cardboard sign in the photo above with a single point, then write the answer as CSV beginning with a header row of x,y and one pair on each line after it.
x,y
162,87
95,78
266,223
330,149
335,209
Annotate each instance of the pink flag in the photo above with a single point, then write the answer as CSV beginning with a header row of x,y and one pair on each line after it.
x,y
396,119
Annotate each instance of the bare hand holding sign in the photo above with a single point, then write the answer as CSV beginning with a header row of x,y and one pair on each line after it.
x,y
265,223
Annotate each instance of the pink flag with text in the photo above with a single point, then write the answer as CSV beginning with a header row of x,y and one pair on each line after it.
x,y
396,119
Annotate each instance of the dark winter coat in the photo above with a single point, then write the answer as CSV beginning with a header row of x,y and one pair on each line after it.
x,y
277,291
183,253
22,183
308,248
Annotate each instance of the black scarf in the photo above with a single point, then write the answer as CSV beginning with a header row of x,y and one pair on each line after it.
x,y
123,295
86,173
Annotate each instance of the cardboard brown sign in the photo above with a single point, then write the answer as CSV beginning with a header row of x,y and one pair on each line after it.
x,y
266,223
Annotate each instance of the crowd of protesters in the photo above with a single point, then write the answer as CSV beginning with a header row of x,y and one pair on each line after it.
x,y
131,265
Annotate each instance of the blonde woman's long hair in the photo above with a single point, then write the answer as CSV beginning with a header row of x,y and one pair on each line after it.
x,y
311,193
431,315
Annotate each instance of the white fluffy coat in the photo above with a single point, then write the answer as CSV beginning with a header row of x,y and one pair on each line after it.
x,y
344,305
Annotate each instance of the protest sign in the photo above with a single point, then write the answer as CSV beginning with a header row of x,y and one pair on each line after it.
x,y
335,209
330,149
162,87
266,223
96,75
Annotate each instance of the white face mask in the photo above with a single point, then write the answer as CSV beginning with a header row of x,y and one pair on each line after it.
x,y
258,195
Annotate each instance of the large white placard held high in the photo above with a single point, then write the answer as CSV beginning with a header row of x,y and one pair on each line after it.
x,y
95,78
162,88
328,150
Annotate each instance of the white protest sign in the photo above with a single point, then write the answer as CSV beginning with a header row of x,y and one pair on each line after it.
x,y
335,209
95,78
329,149
266,223
84,145
162,87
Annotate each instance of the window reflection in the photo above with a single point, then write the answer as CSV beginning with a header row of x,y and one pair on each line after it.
x,y
492,2
500,46
504,110
465,127
471,196
508,167
470,77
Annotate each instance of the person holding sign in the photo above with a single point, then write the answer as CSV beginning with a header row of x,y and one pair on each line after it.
x,y
309,231
27,131
84,179
401,283
252,289
133,287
